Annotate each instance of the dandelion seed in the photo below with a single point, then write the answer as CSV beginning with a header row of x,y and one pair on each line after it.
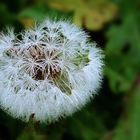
x,y
51,71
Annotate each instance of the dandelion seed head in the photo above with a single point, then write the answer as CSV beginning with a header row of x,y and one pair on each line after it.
x,y
51,71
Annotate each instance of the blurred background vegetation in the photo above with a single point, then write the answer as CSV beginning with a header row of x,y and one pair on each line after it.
x,y
114,114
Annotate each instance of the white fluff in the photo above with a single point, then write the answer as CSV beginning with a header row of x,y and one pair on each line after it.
x,y
51,71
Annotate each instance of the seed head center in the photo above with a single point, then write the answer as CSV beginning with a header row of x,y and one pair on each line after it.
x,y
38,62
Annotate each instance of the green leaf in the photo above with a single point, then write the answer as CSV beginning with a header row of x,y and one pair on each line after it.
x,y
86,125
129,125
122,54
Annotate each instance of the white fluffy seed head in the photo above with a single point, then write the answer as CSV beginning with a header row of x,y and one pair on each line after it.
x,y
48,72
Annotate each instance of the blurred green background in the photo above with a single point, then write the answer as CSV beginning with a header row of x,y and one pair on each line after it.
x,y
114,114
